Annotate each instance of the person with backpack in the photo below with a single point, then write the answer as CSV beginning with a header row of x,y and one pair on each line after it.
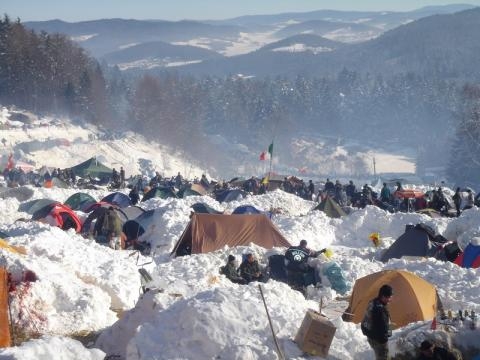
x,y
376,323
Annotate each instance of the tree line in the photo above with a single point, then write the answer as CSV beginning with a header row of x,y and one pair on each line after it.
x,y
49,73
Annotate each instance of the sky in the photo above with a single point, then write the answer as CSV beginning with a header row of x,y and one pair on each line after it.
x,y
79,10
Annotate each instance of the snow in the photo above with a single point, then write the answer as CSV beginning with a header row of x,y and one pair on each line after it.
x,y
89,292
302,48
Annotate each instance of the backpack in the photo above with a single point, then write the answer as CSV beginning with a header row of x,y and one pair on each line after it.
x,y
366,324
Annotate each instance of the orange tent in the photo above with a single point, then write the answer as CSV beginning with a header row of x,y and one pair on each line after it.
x,y
210,232
5,339
414,299
408,194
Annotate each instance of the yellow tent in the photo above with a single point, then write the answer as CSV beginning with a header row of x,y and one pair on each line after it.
x,y
414,299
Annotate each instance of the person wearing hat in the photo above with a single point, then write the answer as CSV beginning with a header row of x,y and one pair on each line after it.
x,y
231,272
431,351
376,323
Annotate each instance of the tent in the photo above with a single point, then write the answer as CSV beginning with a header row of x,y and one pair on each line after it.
x,y
92,167
331,208
203,208
159,192
414,298
230,195
413,242
117,198
80,201
470,258
22,193
246,209
137,226
57,214
209,232
408,194
430,212
31,206
132,212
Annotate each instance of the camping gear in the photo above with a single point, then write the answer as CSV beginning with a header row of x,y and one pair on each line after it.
x,y
470,258
331,208
117,198
80,201
97,216
5,339
408,194
57,214
230,195
32,206
315,334
375,237
276,264
203,208
209,232
415,299
159,192
334,274
92,167
246,209
416,241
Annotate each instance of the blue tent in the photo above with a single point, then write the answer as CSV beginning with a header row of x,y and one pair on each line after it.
x,y
246,209
117,198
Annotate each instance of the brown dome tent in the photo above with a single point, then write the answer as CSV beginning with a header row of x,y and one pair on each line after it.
x,y
414,299
209,232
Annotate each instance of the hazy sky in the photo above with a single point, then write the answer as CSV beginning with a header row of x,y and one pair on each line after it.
x,y
78,10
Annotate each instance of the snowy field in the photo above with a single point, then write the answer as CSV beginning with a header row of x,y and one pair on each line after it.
x,y
89,292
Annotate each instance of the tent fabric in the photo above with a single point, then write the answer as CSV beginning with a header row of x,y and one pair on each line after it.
x,y
22,193
133,212
414,242
5,338
117,198
79,201
414,298
408,194
61,215
246,209
470,258
331,208
230,195
32,206
97,215
209,232
187,191
159,192
56,182
93,168
203,208
132,229
430,212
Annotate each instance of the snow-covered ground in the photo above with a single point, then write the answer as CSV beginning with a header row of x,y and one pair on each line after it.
x,y
90,292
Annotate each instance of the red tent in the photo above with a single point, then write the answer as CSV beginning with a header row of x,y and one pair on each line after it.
x,y
408,194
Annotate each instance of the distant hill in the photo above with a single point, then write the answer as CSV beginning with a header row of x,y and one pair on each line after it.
x,y
303,42
160,54
101,37
447,45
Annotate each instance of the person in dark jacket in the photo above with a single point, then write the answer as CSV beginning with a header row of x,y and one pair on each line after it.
x,y
231,272
250,270
431,351
385,194
376,323
134,196
457,200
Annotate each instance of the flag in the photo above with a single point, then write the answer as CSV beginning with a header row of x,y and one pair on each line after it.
x,y
263,155
265,180
10,162
270,149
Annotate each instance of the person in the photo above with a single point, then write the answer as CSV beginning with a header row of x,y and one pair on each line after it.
x,y
376,323
385,194
296,260
178,180
122,177
112,227
134,196
231,272
311,189
250,269
350,191
470,200
457,200
431,351
329,187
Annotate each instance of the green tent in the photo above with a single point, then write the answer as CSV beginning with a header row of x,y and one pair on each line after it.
x,y
78,200
331,208
92,167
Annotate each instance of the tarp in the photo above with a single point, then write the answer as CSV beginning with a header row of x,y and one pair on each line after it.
x,y
414,242
470,258
5,340
117,198
31,206
331,208
203,208
209,232
57,214
80,201
92,167
414,298
159,192
22,193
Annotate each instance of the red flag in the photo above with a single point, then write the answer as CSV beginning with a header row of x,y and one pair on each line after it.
x,y
263,155
10,162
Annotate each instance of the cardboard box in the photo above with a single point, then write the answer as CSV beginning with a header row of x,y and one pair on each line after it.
x,y
315,334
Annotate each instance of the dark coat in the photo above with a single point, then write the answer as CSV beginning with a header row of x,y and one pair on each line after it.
x,y
251,271
439,353
379,321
